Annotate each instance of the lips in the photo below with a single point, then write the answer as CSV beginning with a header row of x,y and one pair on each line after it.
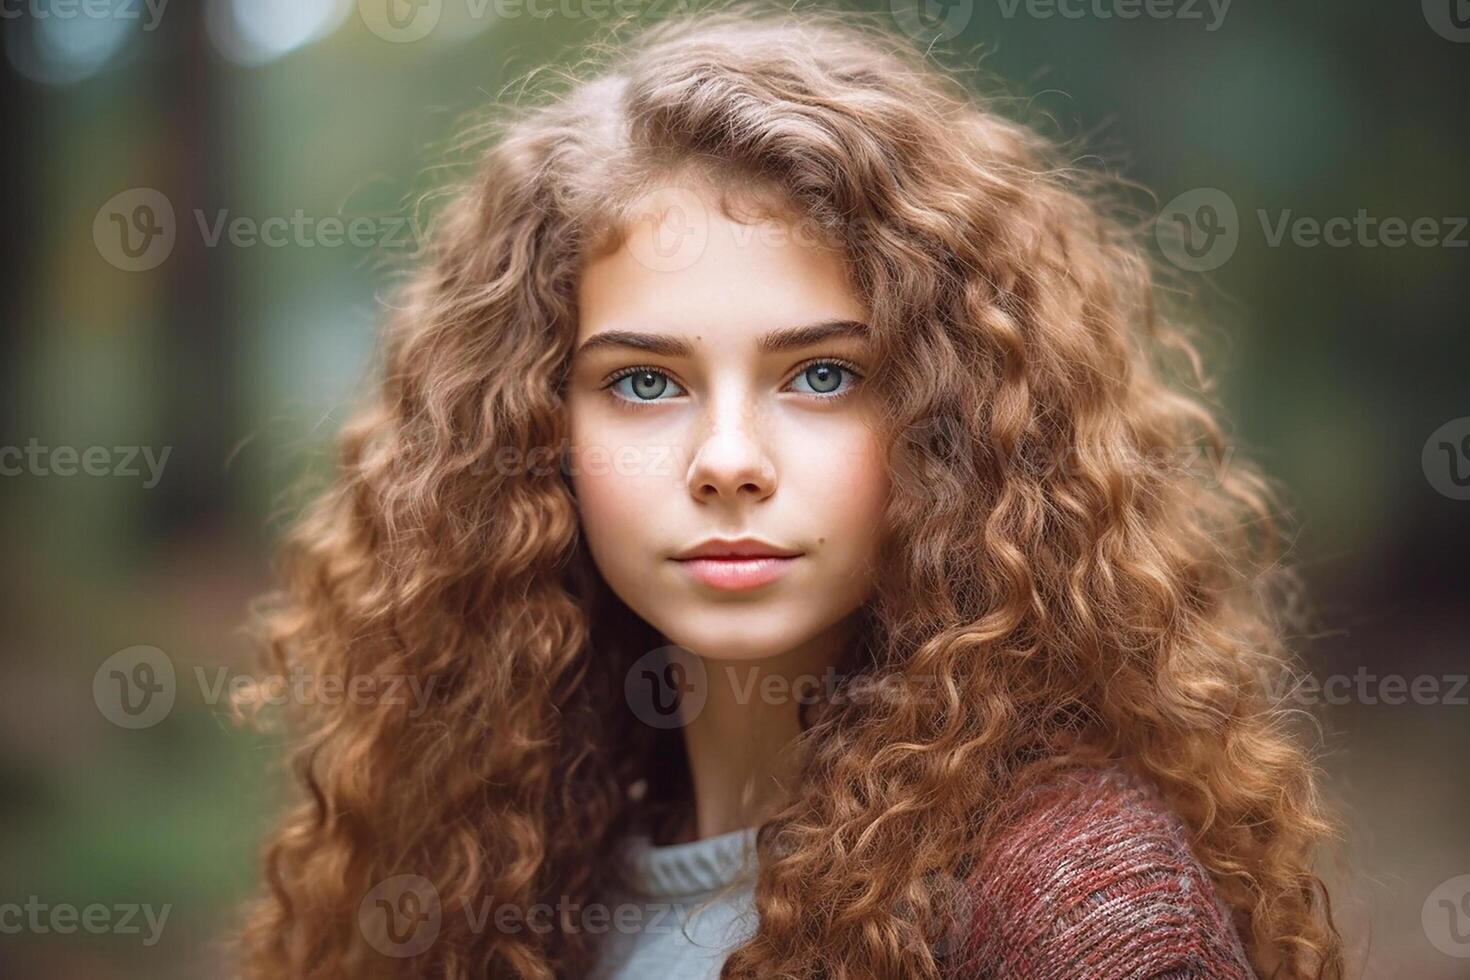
x,y
733,565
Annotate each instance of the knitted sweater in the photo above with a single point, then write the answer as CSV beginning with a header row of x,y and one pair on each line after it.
x,y
1090,878
1093,879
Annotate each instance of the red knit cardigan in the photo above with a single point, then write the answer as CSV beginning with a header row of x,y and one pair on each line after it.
x,y
1094,879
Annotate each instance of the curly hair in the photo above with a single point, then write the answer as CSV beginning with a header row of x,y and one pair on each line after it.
x,y
1066,588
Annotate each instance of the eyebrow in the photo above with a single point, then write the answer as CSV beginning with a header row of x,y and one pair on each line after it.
x,y
775,341
651,343
795,338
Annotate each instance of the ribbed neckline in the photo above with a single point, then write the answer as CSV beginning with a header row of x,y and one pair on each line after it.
x,y
691,867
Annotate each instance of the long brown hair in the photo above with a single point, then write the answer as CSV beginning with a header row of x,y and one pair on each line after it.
x,y
1055,575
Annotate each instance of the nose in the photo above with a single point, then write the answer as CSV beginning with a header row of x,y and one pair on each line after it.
x,y
731,461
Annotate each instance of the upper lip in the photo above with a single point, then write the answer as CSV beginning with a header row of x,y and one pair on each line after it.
x,y
735,548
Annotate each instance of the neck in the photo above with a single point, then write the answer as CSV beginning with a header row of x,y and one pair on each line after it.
x,y
740,743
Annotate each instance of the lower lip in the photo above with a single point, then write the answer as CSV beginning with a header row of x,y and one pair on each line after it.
x,y
735,574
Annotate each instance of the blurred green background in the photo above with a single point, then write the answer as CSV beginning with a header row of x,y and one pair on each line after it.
x,y
239,357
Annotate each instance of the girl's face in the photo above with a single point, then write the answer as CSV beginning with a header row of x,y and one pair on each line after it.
x,y
716,393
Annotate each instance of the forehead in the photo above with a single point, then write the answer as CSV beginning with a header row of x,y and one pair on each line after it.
x,y
681,263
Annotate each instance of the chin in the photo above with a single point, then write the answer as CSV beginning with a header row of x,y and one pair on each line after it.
x,y
720,641
744,633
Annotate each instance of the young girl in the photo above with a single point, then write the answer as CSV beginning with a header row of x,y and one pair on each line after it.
x,y
777,494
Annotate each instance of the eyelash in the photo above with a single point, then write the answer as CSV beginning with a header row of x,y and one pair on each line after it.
x,y
639,404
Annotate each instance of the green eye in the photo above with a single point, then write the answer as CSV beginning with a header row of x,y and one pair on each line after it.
x,y
823,377
642,385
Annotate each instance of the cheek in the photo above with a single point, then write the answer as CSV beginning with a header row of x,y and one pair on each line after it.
x,y
614,481
608,504
845,484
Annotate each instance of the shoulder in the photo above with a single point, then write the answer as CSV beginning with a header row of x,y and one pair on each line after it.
x,y
1091,875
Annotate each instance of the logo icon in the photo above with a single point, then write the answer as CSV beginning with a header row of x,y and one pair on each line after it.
x,y
401,915
1450,19
135,229
400,21
1446,459
1446,917
950,912
666,687
670,229
1199,230
135,688
930,455
932,20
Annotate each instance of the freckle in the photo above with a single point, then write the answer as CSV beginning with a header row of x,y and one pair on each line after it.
x,y
821,540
